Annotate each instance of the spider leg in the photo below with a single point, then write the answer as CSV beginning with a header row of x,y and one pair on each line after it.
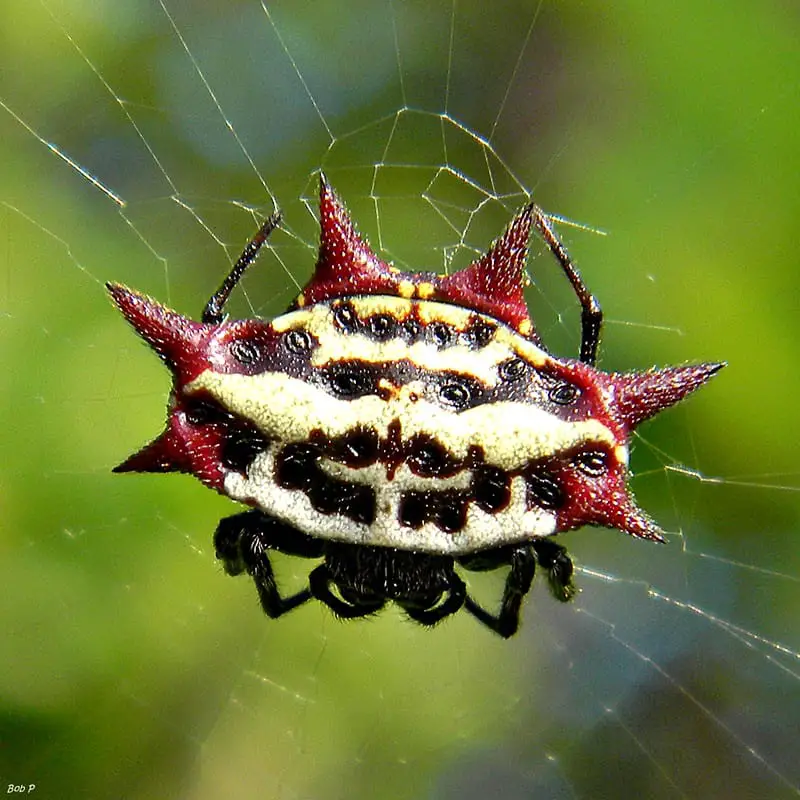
x,y
591,313
556,560
456,596
243,542
523,566
212,313
319,582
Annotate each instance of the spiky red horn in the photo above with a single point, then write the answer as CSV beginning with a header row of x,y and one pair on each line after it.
x,y
624,515
167,453
637,396
181,343
177,339
493,283
346,263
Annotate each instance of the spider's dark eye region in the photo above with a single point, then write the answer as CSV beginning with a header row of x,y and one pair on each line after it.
x,y
345,318
246,351
298,342
382,326
456,392
563,393
349,381
243,347
512,370
412,330
592,462
478,334
440,334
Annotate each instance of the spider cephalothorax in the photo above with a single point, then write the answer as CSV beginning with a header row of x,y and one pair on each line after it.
x,y
396,424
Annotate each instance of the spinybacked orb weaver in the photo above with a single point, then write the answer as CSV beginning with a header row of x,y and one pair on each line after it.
x,y
397,425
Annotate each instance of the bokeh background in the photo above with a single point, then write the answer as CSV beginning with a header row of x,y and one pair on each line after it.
x,y
130,665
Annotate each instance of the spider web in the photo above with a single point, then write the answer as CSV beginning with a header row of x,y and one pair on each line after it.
x,y
144,142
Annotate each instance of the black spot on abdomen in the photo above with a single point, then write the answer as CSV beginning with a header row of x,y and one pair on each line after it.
x,y
447,509
543,490
491,488
297,467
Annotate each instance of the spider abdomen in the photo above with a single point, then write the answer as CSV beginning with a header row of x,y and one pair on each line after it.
x,y
422,441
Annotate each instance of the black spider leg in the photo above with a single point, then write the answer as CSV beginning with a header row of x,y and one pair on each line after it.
x,y
320,581
243,542
213,312
456,597
522,561
591,313
555,559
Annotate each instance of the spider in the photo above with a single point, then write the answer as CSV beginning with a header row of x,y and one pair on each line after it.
x,y
401,426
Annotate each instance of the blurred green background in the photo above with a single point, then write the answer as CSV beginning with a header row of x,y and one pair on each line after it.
x,y
131,666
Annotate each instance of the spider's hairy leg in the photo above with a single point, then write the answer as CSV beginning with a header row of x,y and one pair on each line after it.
x,y
522,560
320,582
456,596
243,542
591,313
555,559
213,312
